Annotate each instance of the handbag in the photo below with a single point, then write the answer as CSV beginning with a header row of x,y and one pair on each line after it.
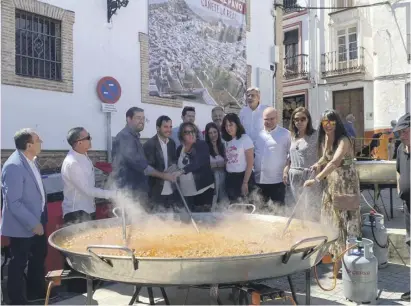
x,y
347,202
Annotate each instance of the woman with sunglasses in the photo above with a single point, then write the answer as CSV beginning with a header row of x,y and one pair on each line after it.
x,y
303,153
240,158
196,178
341,201
217,160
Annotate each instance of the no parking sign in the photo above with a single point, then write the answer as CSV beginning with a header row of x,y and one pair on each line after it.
x,y
109,92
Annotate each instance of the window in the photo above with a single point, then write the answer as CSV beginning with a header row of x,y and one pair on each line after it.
x,y
291,49
347,44
38,46
407,97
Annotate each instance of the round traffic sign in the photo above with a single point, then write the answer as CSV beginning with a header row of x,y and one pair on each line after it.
x,y
108,90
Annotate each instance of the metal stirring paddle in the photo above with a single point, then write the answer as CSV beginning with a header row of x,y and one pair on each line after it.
x,y
123,221
187,208
296,205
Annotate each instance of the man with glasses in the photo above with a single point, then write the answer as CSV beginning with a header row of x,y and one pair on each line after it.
x,y
79,189
251,116
130,165
403,175
272,146
24,218
79,180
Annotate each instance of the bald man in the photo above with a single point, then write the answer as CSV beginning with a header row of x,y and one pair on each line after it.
x,y
272,145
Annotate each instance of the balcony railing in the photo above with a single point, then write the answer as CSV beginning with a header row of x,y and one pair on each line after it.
x,y
340,5
344,61
291,6
296,67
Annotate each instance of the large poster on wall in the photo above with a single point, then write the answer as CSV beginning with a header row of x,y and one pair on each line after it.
x,y
197,50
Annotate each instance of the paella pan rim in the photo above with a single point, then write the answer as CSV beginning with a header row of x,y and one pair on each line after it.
x,y
331,237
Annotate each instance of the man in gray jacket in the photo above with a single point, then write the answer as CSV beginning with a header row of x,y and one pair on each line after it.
x,y
24,218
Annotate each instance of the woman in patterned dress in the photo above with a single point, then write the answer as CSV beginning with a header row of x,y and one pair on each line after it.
x,y
303,154
341,178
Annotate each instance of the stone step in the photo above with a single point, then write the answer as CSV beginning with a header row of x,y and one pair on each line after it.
x,y
397,237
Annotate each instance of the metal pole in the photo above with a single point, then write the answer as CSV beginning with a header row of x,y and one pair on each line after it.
x,y
109,138
308,287
187,208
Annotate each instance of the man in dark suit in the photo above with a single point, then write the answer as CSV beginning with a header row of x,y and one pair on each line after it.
x,y
130,166
160,151
24,218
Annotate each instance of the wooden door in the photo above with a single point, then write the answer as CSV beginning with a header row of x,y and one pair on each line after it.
x,y
351,102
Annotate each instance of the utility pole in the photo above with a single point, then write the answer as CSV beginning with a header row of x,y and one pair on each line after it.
x,y
279,71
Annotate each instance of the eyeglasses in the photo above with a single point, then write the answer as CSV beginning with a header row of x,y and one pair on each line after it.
x,y
188,132
85,138
330,122
302,119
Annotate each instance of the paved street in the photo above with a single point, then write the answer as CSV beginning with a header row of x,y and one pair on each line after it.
x,y
393,281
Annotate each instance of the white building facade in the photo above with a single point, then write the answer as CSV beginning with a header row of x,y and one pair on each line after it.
x,y
359,59
298,61
59,92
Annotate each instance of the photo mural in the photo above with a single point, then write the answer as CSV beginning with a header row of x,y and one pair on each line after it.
x,y
197,50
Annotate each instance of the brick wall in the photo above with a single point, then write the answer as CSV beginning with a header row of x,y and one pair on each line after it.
x,y
8,44
54,159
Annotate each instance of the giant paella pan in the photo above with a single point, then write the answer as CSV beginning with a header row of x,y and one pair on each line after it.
x,y
164,249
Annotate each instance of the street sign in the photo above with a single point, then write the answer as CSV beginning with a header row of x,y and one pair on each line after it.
x,y
108,90
108,108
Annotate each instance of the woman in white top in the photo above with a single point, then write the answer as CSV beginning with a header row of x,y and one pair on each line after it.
x,y
240,158
303,154
217,160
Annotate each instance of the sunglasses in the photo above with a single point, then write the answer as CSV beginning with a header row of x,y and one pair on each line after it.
x,y
188,132
330,122
302,119
85,138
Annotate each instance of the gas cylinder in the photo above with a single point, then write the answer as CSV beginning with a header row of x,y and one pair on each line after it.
x,y
360,272
375,230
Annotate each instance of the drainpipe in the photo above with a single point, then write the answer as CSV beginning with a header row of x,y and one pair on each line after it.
x,y
279,71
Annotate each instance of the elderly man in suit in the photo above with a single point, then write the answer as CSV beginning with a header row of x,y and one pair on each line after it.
x,y
160,151
24,219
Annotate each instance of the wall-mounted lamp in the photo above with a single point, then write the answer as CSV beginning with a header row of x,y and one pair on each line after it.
x,y
113,6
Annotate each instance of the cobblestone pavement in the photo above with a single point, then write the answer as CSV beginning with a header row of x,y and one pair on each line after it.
x,y
393,281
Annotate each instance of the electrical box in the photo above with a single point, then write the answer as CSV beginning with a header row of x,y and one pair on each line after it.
x,y
265,82
275,54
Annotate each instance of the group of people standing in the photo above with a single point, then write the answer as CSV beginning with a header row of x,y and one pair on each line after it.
x,y
239,156
232,159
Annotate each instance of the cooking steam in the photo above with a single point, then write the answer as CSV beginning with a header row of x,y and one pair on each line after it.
x,y
163,219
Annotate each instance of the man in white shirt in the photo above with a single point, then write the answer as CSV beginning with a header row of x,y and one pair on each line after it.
x,y
79,180
251,116
272,146
160,151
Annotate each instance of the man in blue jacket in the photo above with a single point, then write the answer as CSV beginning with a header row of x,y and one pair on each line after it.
x,y
24,219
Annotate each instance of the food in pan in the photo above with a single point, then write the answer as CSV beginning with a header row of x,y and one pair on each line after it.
x,y
171,239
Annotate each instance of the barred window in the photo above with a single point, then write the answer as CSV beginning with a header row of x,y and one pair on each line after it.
x,y
38,46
